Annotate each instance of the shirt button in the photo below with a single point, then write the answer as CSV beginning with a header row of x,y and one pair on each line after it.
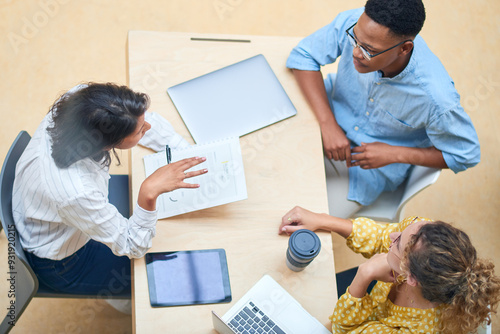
x,y
378,83
367,113
371,100
356,128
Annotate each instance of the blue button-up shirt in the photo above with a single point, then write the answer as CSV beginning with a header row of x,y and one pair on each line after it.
x,y
419,107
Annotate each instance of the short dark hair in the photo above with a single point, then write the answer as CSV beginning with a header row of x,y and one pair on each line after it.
x,y
93,120
403,17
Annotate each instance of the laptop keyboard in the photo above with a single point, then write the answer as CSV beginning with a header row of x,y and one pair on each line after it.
x,y
251,320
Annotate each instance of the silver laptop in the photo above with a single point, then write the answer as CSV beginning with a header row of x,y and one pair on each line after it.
x,y
232,101
267,308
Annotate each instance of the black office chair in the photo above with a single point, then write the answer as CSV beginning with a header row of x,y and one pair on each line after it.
x,y
24,279
344,280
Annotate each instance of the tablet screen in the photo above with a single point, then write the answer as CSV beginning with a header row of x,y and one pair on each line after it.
x,y
188,277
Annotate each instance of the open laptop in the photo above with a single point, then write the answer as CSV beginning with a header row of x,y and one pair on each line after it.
x,y
232,101
270,308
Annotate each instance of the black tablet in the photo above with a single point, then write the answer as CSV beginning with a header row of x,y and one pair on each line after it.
x,y
188,277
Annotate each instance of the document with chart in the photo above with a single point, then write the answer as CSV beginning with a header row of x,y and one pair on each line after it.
x,y
224,183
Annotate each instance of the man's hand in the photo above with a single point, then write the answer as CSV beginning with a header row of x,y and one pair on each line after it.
x,y
335,143
376,155
373,155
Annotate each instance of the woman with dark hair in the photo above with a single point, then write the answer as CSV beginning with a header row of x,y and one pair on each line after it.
x,y
75,240
429,278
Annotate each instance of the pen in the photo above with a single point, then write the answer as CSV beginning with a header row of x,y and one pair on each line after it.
x,y
220,40
168,153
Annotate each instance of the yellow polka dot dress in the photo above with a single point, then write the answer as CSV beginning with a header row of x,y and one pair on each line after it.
x,y
375,313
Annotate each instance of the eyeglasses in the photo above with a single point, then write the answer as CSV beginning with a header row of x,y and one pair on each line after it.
x,y
367,55
395,244
395,241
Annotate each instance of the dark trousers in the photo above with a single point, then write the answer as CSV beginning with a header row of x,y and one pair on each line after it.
x,y
92,270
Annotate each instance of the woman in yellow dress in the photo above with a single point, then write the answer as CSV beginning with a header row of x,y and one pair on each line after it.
x,y
429,279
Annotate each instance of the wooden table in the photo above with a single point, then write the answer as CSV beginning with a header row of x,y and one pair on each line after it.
x,y
283,168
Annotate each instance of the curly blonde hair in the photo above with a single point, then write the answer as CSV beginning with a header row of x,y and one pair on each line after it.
x,y
445,264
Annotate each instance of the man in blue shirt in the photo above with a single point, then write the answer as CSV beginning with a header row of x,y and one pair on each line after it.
x,y
390,105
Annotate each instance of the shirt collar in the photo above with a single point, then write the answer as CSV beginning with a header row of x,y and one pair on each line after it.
x,y
409,67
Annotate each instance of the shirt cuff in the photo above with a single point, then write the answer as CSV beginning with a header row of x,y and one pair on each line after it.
x,y
347,304
456,166
178,142
299,61
145,218
356,223
350,297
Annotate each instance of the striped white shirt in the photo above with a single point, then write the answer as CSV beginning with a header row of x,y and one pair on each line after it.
x,y
57,211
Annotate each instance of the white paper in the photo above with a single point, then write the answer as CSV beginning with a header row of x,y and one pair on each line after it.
x,y
223,183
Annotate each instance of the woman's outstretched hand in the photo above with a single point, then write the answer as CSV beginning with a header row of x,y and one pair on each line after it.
x,y
166,179
299,218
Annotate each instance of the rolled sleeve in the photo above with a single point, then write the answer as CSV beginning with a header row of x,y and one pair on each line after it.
x,y
314,51
323,46
99,220
453,133
161,134
369,237
144,218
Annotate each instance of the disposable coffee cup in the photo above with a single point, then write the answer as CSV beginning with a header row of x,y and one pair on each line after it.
x,y
303,247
